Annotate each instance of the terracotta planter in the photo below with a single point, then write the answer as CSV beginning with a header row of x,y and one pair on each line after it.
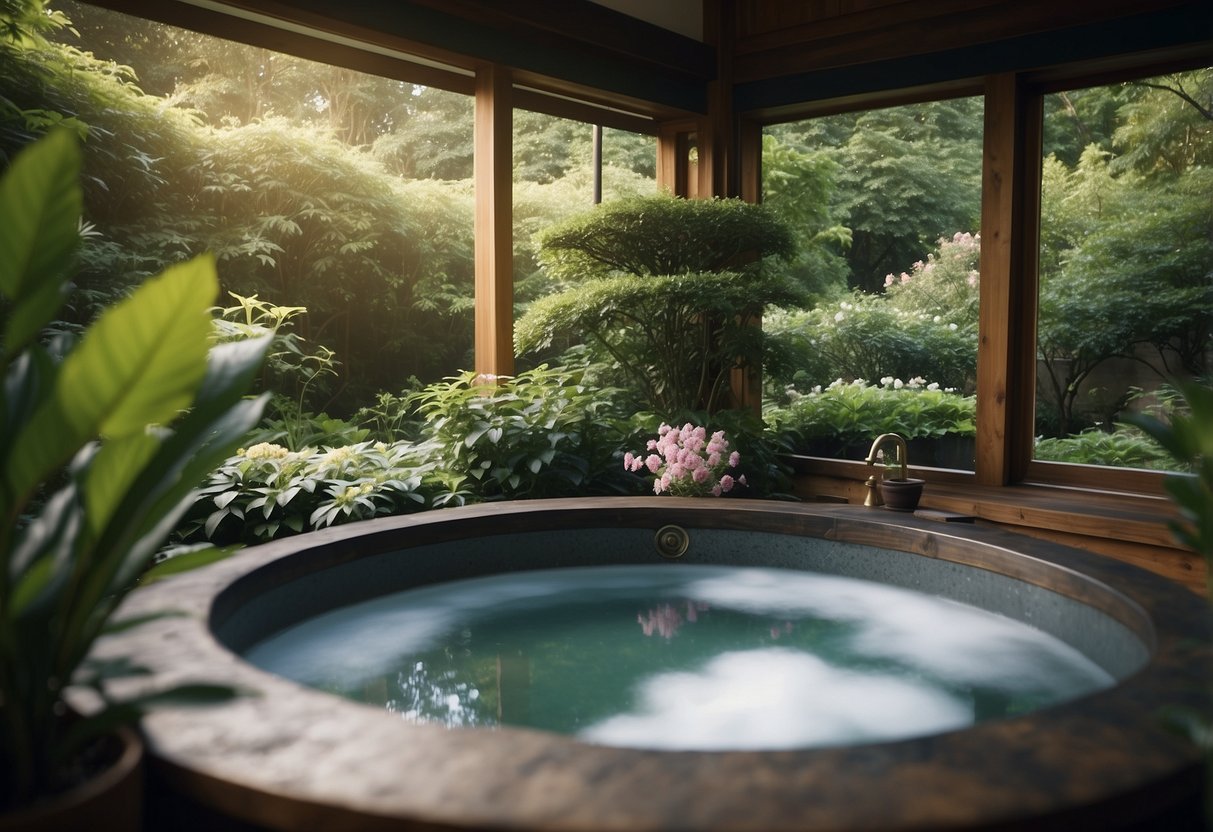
x,y
110,802
901,495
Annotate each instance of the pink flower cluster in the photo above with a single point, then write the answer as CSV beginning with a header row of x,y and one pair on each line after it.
x,y
686,462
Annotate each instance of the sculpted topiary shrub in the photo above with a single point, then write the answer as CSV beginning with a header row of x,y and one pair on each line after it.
x,y
668,289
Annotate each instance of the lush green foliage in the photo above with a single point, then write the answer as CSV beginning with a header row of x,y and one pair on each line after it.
x,y
676,338
291,364
1188,437
905,176
540,434
796,187
662,235
653,291
266,491
1121,447
1120,281
1126,264
858,412
867,337
316,186
539,206
94,478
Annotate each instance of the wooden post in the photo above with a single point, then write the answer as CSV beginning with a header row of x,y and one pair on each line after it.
x,y
747,381
597,163
1007,322
493,171
749,161
674,170
718,131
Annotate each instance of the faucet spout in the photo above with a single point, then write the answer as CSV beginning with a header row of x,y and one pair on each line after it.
x,y
873,482
900,444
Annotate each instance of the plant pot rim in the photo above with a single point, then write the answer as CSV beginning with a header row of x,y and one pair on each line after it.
x,y
41,813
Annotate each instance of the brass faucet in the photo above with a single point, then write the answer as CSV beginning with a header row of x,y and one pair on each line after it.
x,y
873,498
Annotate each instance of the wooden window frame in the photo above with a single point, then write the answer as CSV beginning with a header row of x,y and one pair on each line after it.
x,y
1035,86
1010,229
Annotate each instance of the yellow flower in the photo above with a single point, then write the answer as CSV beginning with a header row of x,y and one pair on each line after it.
x,y
337,456
264,450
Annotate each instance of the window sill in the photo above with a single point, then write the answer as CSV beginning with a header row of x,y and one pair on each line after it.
x,y
1131,527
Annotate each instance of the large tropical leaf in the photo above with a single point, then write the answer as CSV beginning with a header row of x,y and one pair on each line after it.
x,y
40,202
142,361
139,364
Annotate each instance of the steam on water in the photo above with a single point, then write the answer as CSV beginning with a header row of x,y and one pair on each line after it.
x,y
686,657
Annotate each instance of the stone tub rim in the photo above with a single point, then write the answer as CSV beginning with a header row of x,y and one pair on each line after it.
x,y
299,758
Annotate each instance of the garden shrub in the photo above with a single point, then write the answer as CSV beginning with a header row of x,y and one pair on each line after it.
x,y
865,336
663,235
675,338
762,450
855,413
267,491
393,417
669,289
945,285
1124,447
542,433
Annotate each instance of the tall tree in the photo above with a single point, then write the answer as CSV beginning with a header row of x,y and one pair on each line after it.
x,y
907,177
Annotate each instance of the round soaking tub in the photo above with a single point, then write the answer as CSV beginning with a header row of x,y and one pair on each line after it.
x,y
286,756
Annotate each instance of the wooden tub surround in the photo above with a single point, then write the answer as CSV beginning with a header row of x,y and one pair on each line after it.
x,y
289,757
1120,524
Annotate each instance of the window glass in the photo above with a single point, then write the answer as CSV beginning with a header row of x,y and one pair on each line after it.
x,y
885,205
554,176
314,186
1126,263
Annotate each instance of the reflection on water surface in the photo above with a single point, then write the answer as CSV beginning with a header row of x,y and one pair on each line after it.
x,y
683,656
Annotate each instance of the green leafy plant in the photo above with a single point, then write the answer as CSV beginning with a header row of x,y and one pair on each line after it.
x,y
542,433
267,491
662,235
101,446
1188,437
393,416
669,289
870,337
676,339
1124,447
299,430
291,364
859,412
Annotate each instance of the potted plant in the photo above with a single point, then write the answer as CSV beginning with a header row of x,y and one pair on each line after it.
x,y
101,445
1187,435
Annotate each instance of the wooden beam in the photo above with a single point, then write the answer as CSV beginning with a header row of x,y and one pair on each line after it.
x,y
563,107
718,135
674,142
1041,31
493,171
749,161
1006,321
279,28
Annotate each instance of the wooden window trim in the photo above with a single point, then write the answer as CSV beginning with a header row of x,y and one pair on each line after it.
x,y
493,173
1012,148
1036,86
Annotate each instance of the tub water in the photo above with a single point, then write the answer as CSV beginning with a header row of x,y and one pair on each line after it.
x,y
797,667
684,657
